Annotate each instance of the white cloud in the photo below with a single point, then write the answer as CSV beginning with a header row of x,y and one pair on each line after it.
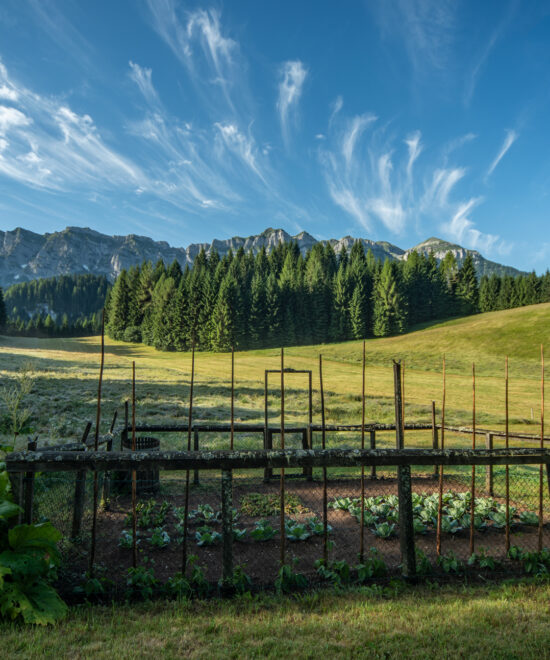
x,y
8,93
511,137
143,79
375,180
11,118
293,74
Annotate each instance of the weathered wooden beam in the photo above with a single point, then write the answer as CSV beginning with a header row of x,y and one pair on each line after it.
x,y
59,461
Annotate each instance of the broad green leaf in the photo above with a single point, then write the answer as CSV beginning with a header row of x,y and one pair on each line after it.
x,y
23,565
47,606
41,538
8,510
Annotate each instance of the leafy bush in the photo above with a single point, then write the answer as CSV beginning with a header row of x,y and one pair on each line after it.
x,y
384,530
28,558
140,582
449,563
287,580
126,539
373,566
337,572
423,564
483,560
240,581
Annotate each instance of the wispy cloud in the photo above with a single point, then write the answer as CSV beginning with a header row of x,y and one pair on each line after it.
x,y
48,145
511,137
143,79
375,180
210,57
426,28
293,74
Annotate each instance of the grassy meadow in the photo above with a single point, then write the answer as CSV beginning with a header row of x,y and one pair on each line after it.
x,y
66,372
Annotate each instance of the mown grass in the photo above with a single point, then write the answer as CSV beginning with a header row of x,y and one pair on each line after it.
x,y
499,621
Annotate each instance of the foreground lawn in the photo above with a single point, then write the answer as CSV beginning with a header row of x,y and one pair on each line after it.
x,y
509,620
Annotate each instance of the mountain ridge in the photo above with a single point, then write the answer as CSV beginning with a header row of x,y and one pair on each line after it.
x,y
26,255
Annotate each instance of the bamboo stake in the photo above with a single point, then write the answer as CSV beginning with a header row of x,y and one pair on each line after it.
x,y
362,532
134,473
440,505
282,486
96,445
506,444
473,486
403,399
189,424
541,467
232,397
323,445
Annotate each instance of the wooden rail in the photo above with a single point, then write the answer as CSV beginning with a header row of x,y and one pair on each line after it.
x,y
58,461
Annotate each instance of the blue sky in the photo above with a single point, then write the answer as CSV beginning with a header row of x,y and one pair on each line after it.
x,y
394,120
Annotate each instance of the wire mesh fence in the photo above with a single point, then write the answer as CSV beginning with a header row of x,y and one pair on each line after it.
x,y
263,539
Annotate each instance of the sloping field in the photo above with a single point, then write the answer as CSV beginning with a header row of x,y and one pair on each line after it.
x,y
66,373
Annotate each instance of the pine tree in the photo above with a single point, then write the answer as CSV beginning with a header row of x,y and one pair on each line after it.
x,y
467,289
390,316
273,311
340,317
119,307
224,323
258,311
358,312
3,315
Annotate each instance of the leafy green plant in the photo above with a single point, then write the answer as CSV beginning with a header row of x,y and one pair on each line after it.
x,y
28,560
483,560
263,531
178,586
515,553
316,526
536,563
239,534
373,566
263,505
140,582
160,538
337,572
449,563
159,517
423,564
205,514
13,396
206,536
384,530
498,519
450,525
296,531
419,527
98,585
528,518
287,580
240,581
197,579
126,539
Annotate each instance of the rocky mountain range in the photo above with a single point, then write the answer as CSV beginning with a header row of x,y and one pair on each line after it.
x,y
25,255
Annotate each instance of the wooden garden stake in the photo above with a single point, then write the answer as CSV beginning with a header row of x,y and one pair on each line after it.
x,y
440,504
435,441
232,396
362,531
323,446
507,471
541,467
96,445
282,521
403,400
134,473
473,486
189,425
80,491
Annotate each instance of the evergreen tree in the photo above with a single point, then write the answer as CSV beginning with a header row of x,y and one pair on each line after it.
x,y
3,316
390,315
225,323
467,290
119,307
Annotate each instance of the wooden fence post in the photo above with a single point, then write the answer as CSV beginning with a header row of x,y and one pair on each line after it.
x,y
196,480
435,439
307,471
28,488
489,485
404,489
372,434
80,492
124,434
268,439
106,498
227,531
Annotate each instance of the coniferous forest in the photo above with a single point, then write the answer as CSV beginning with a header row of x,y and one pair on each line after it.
x,y
284,298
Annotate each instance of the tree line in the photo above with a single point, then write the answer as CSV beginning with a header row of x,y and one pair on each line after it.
x,y
285,298
61,306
